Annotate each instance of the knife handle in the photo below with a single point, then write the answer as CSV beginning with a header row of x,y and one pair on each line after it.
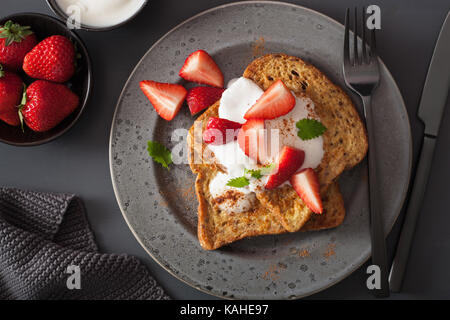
x,y
415,202
377,235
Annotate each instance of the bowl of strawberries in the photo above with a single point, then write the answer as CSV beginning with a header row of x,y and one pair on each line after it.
x,y
45,79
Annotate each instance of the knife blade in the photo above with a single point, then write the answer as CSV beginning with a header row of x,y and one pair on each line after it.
x,y
437,83
431,109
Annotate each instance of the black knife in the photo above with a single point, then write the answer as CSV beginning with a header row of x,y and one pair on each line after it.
x,y
431,108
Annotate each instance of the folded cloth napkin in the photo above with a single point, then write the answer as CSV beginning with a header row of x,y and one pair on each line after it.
x,y
47,251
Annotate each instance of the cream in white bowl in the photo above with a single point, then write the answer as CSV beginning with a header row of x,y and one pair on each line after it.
x,y
100,13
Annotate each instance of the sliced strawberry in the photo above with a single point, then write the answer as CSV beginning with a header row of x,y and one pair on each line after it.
x,y
306,184
289,161
220,131
252,139
276,101
166,98
200,67
200,98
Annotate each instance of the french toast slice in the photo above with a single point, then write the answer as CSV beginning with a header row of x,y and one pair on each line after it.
x,y
217,228
281,210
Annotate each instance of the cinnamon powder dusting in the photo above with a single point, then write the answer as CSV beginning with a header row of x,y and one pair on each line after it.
x,y
187,192
273,273
163,202
330,251
258,47
304,253
231,196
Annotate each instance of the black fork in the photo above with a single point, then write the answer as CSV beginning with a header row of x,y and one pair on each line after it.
x,y
362,75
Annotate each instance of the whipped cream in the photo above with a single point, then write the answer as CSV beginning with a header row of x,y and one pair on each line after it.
x,y
231,199
287,131
100,13
240,95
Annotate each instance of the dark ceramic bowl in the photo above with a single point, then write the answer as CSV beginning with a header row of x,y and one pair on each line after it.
x,y
61,14
81,83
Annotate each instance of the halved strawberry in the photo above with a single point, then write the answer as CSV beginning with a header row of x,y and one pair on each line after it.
x,y
166,98
200,98
306,184
276,101
216,131
289,161
200,67
252,139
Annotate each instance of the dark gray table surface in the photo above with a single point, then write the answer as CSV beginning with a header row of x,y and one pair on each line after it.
x,y
78,161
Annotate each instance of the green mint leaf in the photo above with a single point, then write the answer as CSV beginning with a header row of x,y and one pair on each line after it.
x,y
258,173
253,173
239,182
310,129
159,153
267,169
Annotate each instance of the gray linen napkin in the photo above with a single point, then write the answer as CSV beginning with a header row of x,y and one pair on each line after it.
x,y
47,251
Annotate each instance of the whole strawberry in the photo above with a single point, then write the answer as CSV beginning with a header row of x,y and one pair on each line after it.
x,y
51,59
15,42
47,105
11,91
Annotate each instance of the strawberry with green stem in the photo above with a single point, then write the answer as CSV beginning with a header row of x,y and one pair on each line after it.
x,y
47,104
15,42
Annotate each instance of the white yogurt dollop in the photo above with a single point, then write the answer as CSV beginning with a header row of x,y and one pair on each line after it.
x,y
304,108
100,13
236,100
231,199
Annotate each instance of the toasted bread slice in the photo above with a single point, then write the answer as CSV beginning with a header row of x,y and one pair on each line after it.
x,y
278,211
216,228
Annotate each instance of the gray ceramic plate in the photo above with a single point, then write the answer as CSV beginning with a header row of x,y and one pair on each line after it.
x,y
160,206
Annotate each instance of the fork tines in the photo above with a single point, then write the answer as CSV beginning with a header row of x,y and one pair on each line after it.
x,y
358,56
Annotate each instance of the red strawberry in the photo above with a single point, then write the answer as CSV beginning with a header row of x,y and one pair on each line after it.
x,y
216,131
11,91
166,98
289,161
47,105
274,103
51,59
15,42
252,139
306,184
200,67
200,98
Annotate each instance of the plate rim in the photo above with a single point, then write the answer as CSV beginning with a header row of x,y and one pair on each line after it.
x,y
115,189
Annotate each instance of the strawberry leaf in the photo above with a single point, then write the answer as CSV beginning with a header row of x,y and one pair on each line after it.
x,y
310,129
159,153
14,32
22,104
